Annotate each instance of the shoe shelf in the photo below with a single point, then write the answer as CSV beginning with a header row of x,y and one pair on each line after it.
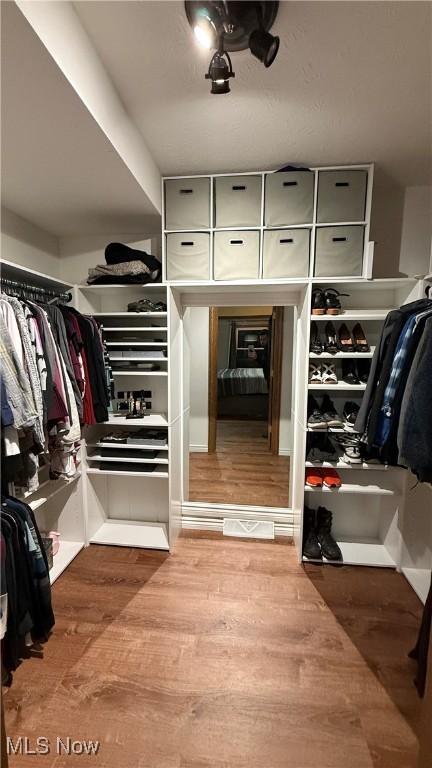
x,y
344,465
48,490
153,420
342,355
339,386
138,359
373,490
136,344
354,314
134,329
134,315
125,473
367,552
128,446
126,460
139,373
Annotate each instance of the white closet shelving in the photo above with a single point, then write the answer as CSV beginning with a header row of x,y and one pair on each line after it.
x,y
127,493
368,532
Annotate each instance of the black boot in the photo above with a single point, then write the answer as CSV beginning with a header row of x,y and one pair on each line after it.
x,y
329,548
311,547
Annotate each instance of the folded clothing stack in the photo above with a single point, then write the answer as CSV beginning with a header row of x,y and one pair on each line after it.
x,y
126,265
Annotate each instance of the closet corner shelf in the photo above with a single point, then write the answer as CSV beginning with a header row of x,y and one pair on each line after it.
x,y
340,385
343,355
128,446
154,420
51,488
16,272
125,533
142,460
138,373
67,552
420,580
122,286
355,314
363,552
371,490
134,315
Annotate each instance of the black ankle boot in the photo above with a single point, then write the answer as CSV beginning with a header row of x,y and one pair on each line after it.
x,y
311,547
329,548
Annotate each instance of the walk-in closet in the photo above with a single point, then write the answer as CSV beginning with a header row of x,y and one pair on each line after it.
x,y
216,356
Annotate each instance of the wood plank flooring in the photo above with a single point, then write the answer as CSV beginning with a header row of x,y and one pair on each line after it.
x,y
225,654
242,471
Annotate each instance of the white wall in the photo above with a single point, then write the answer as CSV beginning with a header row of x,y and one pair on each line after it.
x,y
81,252
416,238
196,326
26,244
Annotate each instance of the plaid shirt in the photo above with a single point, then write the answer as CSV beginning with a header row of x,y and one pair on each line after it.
x,y
402,347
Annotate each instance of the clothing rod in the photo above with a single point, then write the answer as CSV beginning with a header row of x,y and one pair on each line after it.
x,y
18,287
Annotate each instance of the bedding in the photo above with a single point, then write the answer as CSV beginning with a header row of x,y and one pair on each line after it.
x,y
241,381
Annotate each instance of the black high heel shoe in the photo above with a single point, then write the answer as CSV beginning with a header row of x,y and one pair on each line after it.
x,y
331,343
315,344
318,302
332,303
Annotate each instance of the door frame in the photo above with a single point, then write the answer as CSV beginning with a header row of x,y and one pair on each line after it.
x,y
275,386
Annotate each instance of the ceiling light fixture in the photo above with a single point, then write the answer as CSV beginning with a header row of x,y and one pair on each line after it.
x,y
233,26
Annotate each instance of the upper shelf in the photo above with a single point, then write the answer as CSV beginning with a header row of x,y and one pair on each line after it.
x,y
37,279
355,314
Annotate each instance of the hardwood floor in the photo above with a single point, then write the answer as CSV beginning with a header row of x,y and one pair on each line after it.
x,y
242,471
225,654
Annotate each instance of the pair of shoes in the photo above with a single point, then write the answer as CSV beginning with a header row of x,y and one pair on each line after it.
x,y
323,373
353,450
146,305
318,543
322,476
330,343
326,302
355,342
324,416
320,448
355,371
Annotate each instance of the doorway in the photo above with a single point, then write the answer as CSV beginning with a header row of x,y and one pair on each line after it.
x,y
240,393
245,373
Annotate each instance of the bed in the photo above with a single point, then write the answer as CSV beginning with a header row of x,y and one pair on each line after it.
x,y
241,381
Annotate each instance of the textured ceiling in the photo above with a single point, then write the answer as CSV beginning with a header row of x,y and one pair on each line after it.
x,y
351,83
58,169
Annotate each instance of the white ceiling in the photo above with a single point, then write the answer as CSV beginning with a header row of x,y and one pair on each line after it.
x,y
59,170
351,83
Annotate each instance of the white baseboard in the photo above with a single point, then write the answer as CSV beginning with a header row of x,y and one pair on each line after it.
x,y
284,451
198,448
206,524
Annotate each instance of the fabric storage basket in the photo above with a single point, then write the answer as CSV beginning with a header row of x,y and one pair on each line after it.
x,y
236,255
238,201
339,251
187,203
188,256
286,253
341,196
289,198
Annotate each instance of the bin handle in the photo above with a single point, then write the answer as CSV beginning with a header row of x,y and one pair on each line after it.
x,y
340,239
342,184
236,242
186,191
239,187
187,242
290,183
286,240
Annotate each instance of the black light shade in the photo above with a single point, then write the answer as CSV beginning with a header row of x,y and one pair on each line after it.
x,y
220,70
264,46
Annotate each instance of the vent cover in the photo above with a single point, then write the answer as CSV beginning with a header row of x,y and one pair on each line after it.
x,y
255,529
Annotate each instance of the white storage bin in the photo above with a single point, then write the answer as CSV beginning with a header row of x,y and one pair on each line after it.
x,y
238,201
188,256
289,198
286,253
341,196
187,203
236,255
339,251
